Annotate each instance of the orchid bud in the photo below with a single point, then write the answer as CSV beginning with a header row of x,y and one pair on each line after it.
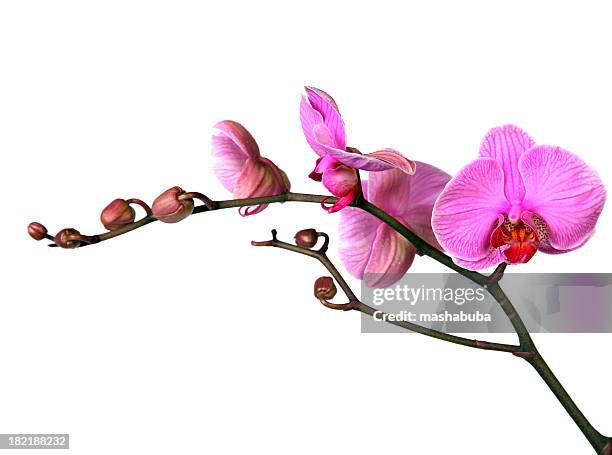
x,y
325,288
306,238
117,214
62,238
169,208
37,231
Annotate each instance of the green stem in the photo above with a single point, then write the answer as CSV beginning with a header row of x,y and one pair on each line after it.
x,y
601,444
530,353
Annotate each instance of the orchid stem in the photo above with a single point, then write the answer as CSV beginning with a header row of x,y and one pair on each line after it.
x,y
526,348
357,305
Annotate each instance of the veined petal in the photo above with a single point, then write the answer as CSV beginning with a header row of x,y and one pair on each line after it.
x,y
506,144
425,186
373,162
390,258
259,178
399,194
542,231
356,236
240,136
326,106
326,96
464,214
494,257
564,191
228,160
311,118
395,159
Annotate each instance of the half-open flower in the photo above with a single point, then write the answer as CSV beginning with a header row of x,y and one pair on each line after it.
x,y
369,248
324,130
241,168
516,199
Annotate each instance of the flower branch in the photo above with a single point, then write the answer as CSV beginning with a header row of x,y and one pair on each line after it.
x,y
355,304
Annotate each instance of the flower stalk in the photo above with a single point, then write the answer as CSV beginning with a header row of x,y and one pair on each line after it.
x,y
526,348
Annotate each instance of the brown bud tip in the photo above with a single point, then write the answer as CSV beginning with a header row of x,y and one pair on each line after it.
x,y
325,288
306,238
169,208
37,231
607,450
63,238
117,214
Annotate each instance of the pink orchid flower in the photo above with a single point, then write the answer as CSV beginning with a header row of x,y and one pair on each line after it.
x,y
241,168
337,163
369,248
516,199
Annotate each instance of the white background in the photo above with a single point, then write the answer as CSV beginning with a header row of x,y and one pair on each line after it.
x,y
183,338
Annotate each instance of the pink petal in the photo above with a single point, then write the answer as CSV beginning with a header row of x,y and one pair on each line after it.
x,y
326,106
425,186
240,136
373,162
564,191
228,161
326,96
311,118
494,257
340,180
259,177
356,236
340,204
395,159
506,144
464,214
390,258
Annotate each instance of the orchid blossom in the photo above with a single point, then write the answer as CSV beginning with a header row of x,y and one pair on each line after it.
x,y
337,165
241,169
373,251
516,199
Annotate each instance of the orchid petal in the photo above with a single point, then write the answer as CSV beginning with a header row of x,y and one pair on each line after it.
x,y
373,162
326,106
542,231
228,161
464,214
494,257
326,96
259,178
506,144
391,256
564,191
240,136
395,159
310,118
341,180
356,236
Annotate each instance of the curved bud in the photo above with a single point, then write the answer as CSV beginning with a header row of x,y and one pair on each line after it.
x,y
170,208
306,238
117,214
65,238
325,288
37,231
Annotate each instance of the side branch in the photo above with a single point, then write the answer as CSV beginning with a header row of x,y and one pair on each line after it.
x,y
355,304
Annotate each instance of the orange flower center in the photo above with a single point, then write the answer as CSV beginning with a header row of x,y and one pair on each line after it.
x,y
522,241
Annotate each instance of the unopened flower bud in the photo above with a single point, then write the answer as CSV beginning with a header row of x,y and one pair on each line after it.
x,y
306,238
169,208
325,288
37,231
62,238
117,214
